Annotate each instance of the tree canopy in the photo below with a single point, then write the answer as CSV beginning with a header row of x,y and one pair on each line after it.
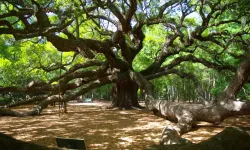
x,y
51,47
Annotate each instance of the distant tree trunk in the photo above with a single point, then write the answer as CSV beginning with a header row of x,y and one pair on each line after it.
x,y
124,95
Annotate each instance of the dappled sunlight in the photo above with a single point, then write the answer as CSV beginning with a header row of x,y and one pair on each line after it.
x,y
206,130
127,139
201,133
103,128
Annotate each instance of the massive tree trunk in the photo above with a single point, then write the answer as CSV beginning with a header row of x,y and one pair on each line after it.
x,y
124,95
187,115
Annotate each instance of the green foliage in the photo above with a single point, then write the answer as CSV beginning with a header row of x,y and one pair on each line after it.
x,y
20,61
155,37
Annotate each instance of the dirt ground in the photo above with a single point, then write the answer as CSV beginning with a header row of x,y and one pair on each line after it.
x,y
102,128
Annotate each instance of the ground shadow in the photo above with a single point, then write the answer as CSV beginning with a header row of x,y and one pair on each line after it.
x,y
102,128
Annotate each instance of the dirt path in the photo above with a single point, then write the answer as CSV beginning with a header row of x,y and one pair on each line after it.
x,y
101,128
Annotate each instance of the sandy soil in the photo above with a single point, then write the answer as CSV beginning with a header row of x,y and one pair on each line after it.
x,y
102,128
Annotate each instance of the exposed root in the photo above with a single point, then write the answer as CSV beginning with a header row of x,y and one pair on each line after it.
x,y
170,135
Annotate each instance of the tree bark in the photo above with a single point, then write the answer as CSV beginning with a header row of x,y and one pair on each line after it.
x,y
124,95
239,79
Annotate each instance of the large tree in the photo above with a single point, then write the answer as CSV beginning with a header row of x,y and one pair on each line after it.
x,y
110,34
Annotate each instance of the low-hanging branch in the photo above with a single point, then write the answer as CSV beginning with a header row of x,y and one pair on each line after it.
x,y
194,59
64,83
186,115
49,99
28,101
56,66
76,67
